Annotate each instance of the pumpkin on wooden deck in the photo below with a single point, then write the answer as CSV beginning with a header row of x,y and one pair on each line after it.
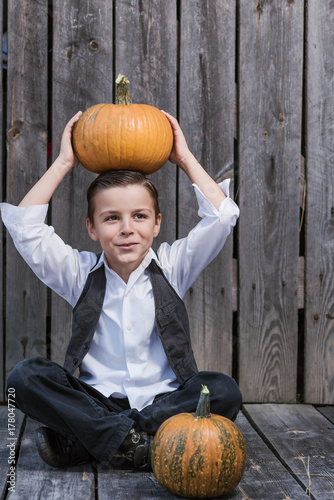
x,y
123,135
198,455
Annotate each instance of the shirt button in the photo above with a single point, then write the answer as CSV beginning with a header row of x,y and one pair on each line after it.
x,y
129,328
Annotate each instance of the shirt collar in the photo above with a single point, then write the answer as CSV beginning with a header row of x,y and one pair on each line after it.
x,y
102,261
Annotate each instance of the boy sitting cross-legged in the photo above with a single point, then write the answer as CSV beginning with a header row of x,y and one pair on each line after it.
x,y
130,336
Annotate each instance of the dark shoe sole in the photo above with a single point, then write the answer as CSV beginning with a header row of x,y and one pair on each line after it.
x,y
58,451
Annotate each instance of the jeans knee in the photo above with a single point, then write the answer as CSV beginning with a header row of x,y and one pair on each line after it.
x,y
225,395
228,385
23,375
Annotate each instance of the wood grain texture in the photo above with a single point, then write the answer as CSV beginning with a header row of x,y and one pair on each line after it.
x,y
233,74
82,76
130,484
319,260
35,479
206,115
270,103
303,439
26,162
264,476
146,52
268,474
2,235
328,412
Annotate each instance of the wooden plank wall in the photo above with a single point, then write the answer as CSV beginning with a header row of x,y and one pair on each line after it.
x,y
2,173
251,83
82,63
270,103
319,307
206,114
27,112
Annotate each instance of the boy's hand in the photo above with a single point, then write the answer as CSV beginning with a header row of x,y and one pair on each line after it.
x,y
66,153
180,149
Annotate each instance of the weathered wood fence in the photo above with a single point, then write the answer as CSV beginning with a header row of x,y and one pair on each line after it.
x,y
252,83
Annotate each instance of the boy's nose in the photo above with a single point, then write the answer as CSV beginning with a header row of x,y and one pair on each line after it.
x,y
127,227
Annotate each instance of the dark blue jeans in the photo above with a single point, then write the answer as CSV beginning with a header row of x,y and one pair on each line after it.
x,y
46,392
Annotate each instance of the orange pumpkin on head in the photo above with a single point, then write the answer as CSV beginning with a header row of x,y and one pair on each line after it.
x,y
123,135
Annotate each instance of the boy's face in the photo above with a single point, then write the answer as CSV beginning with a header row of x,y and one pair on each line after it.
x,y
125,225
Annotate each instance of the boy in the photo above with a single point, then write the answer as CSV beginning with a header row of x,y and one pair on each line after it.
x,y
130,335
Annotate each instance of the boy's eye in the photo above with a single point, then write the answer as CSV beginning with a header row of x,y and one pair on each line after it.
x,y
140,216
112,217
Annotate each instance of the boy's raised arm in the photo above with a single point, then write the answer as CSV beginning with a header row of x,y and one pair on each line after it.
x,y
42,191
182,156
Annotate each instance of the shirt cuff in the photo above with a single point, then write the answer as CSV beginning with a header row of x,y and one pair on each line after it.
x,y
207,209
11,214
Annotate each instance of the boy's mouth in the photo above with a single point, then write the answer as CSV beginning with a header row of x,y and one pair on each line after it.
x,y
127,245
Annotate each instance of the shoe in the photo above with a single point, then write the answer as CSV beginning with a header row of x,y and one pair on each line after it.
x,y
58,451
136,449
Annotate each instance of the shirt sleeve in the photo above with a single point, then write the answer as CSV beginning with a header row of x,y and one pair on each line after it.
x,y
56,264
184,260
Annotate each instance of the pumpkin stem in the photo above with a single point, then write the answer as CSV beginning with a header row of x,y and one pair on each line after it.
x,y
203,406
122,90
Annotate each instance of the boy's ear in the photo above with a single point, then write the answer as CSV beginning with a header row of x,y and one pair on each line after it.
x,y
91,230
157,226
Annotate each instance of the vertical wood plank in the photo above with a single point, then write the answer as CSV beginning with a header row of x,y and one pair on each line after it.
x,y
207,69
2,176
146,52
27,160
82,77
270,98
319,261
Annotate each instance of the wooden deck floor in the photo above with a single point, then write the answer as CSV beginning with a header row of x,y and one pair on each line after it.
x,y
290,452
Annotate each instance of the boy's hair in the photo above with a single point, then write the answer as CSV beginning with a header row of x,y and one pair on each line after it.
x,y
120,178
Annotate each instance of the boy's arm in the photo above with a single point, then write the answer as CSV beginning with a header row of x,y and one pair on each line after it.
x,y
42,191
182,157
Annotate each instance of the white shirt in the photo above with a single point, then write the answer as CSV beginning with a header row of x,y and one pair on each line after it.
x,y
126,357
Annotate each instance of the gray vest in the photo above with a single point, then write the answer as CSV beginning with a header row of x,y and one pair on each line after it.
x,y
170,314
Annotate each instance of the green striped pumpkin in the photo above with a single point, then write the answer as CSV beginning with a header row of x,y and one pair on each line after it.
x,y
198,455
